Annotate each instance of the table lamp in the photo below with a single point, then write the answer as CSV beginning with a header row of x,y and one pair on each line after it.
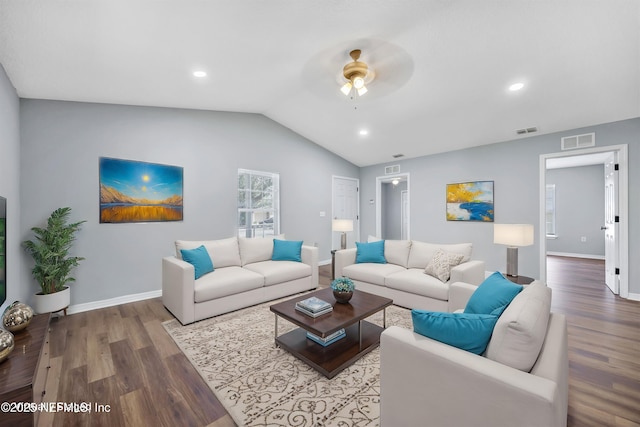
x,y
513,235
342,225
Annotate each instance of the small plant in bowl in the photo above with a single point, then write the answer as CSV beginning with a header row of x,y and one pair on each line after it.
x,y
342,289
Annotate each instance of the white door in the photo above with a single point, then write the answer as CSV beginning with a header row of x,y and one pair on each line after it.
x,y
345,206
611,224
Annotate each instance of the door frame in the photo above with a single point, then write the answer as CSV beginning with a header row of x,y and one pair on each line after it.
x,y
384,179
623,208
404,214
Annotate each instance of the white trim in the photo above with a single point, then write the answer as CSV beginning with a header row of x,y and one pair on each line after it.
x,y
572,255
325,262
125,299
634,296
379,181
623,208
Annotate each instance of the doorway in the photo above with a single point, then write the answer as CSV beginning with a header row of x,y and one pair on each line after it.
x,y
616,231
393,197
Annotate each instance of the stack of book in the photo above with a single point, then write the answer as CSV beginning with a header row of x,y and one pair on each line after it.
x,y
314,307
330,339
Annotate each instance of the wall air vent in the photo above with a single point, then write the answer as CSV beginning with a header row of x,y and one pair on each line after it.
x,y
525,131
578,141
391,170
397,156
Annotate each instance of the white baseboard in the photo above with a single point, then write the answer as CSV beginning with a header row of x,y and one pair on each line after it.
x,y
79,308
572,255
634,297
325,262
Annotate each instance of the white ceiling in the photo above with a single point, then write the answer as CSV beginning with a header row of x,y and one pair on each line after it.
x,y
442,67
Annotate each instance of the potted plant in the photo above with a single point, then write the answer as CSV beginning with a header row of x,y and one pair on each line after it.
x,y
53,265
342,289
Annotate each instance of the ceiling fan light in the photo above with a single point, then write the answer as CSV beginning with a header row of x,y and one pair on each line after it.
x,y
346,88
358,82
362,90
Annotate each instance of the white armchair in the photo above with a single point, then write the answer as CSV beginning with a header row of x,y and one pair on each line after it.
x,y
426,382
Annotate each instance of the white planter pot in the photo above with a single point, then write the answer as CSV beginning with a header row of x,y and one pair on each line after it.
x,y
50,303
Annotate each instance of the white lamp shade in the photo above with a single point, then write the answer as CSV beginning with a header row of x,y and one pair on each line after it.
x,y
513,234
342,225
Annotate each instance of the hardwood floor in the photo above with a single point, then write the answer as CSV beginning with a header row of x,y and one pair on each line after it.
x,y
122,357
604,344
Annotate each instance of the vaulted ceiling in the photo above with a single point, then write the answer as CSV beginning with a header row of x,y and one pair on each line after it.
x,y
443,68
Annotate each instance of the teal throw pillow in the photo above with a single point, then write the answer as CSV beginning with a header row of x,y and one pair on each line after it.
x,y
370,252
200,259
287,250
470,332
493,295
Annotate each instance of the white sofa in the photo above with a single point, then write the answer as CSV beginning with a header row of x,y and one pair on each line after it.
x,y
403,278
243,275
426,382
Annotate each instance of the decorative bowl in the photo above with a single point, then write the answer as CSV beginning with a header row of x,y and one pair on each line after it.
x,y
342,297
6,344
343,288
17,316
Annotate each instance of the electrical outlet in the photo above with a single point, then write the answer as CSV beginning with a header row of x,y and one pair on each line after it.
x,y
583,239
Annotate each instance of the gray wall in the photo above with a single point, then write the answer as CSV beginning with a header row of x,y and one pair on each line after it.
x,y
514,168
579,210
10,186
60,147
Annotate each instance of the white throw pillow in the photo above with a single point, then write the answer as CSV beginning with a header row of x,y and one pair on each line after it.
x,y
440,265
520,331
421,252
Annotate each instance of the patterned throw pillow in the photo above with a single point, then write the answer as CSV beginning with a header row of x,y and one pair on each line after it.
x,y
441,263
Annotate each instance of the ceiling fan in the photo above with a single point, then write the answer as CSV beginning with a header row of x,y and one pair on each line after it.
x,y
358,75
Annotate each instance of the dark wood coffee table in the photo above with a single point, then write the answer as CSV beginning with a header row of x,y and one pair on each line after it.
x,y
362,336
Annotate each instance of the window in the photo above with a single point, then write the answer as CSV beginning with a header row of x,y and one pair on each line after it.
x,y
550,211
258,203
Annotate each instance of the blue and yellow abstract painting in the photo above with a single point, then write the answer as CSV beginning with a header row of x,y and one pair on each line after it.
x,y
470,201
132,191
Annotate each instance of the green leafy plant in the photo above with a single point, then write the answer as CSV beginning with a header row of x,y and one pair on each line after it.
x,y
50,251
343,284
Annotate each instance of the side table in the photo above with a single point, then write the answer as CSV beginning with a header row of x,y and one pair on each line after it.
x,y
333,264
23,376
520,280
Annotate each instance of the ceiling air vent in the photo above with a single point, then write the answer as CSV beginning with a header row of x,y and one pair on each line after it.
x,y
578,141
525,131
391,170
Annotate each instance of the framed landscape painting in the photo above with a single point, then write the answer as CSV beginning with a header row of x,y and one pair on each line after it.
x,y
470,201
132,191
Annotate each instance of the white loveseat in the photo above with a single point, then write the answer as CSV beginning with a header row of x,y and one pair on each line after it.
x,y
521,380
243,275
403,278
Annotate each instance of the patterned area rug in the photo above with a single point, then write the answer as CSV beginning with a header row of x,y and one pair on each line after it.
x,y
260,384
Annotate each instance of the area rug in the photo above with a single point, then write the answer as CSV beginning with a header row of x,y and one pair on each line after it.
x,y
263,385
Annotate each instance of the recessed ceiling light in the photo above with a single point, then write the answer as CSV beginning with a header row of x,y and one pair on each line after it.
x,y
516,86
200,73
363,132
